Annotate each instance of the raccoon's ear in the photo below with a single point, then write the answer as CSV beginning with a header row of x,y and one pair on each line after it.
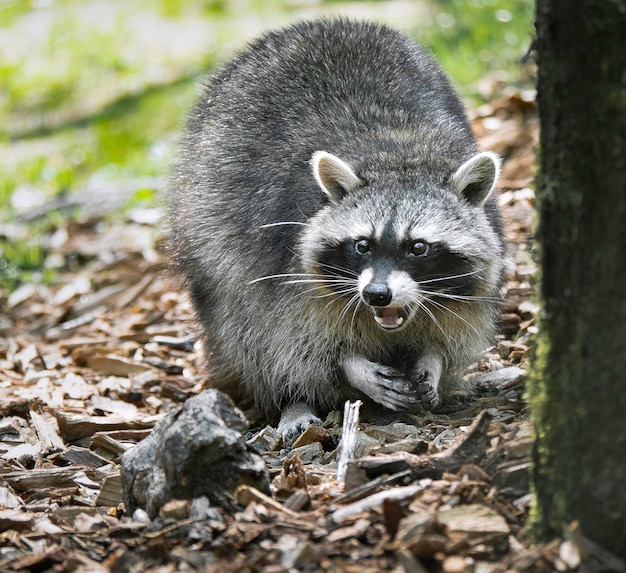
x,y
333,175
477,177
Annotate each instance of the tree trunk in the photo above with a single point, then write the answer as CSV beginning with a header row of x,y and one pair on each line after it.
x,y
578,388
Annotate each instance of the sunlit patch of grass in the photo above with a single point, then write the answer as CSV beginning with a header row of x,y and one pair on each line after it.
x,y
129,134
130,139
75,58
472,38
11,9
133,136
22,260
174,8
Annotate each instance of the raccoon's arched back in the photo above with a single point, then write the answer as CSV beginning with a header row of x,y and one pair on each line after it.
x,y
352,88
332,135
339,75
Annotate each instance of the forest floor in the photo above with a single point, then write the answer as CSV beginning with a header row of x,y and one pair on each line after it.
x,y
90,365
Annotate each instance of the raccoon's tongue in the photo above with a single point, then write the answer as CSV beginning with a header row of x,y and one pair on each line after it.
x,y
388,317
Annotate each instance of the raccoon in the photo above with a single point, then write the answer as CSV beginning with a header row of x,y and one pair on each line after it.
x,y
335,224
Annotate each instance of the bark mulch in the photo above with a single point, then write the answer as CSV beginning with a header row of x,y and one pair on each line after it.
x,y
89,366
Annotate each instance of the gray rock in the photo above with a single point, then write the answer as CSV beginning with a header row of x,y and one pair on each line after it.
x,y
498,379
196,450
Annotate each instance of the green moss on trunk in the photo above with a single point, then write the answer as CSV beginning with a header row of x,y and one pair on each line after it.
x,y
577,390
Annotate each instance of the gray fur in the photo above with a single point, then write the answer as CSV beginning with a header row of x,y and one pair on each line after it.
x,y
315,136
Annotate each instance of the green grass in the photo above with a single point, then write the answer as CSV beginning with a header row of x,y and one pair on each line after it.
x,y
130,139
130,135
124,141
22,261
72,60
474,38
12,9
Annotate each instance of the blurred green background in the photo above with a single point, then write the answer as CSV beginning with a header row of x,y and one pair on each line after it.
x,y
92,93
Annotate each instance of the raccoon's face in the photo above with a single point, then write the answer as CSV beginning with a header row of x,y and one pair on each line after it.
x,y
394,257
393,270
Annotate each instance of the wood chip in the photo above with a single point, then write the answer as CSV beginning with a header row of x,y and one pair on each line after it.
x,y
314,433
76,426
475,520
111,491
359,527
47,431
15,519
375,500
245,494
83,457
24,480
8,500
113,365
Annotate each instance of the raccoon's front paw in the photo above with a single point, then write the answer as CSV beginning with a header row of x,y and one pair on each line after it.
x,y
427,389
294,420
383,384
391,389
425,375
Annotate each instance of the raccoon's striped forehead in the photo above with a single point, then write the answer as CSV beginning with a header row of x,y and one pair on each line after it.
x,y
405,222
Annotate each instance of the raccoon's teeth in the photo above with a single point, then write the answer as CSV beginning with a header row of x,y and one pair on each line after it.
x,y
380,320
388,317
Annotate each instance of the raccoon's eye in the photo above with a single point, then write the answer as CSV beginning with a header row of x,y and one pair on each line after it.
x,y
362,246
418,248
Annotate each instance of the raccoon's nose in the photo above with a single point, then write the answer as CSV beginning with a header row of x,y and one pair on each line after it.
x,y
377,294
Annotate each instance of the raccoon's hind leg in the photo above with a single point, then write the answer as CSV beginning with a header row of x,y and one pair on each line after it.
x,y
294,419
426,375
381,383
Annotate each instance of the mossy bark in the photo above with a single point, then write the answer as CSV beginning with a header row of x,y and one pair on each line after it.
x,y
578,387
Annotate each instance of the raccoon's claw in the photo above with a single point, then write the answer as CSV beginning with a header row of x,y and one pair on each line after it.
x,y
382,384
389,373
393,390
426,375
294,420
427,389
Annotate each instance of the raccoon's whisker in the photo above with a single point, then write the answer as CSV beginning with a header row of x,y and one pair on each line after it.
x,y
314,289
468,298
287,275
356,308
339,299
319,281
462,298
348,289
348,304
450,277
354,299
279,276
324,292
339,269
444,308
337,293
331,301
339,288
268,225
429,312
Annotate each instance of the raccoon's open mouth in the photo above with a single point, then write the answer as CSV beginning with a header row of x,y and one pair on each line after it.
x,y
390,317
